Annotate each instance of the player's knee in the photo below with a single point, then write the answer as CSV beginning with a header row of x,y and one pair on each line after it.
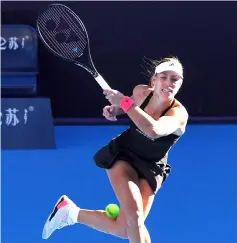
x,y
134,219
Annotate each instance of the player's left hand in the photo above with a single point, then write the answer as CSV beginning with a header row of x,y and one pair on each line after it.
x,y
113,96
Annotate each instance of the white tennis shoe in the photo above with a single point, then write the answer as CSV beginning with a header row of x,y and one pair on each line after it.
x,y
63,215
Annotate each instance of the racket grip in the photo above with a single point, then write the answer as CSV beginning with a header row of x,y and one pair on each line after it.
x,y
103,84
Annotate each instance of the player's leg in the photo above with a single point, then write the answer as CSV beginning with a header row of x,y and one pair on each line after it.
x,y
148,197
67,213
98,220
125,182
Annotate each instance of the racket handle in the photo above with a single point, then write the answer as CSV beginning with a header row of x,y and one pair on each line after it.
x,y
102,82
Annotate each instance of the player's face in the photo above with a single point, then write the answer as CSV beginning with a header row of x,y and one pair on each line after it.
x,y
167,84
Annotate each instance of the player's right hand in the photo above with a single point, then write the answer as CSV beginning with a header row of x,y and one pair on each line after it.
x,y
109,112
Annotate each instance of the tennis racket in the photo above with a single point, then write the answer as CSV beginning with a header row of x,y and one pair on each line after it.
x,y
64,34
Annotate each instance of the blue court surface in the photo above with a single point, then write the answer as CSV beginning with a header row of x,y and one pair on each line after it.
x,y
197,204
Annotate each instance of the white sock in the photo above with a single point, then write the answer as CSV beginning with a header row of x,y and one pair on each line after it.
x,y
73,214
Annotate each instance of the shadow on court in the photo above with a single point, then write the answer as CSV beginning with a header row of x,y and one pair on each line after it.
x,y
196,204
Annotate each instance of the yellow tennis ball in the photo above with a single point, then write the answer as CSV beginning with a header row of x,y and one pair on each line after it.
x,y
112,210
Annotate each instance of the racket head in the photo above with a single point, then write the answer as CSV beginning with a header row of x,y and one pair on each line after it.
x,y
65,35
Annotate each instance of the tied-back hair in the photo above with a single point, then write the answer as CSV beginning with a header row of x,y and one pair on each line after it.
x,y
149,66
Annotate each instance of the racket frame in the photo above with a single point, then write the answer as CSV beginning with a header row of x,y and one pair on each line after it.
x,y
99,79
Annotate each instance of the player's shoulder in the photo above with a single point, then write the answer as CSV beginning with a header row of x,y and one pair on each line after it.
x,y
142,90
182,108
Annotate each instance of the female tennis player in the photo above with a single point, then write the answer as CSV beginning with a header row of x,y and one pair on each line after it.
x,y
136,160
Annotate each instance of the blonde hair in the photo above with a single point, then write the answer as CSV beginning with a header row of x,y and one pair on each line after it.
x,y
152,64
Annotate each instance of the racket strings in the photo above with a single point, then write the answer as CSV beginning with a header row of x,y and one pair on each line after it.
x,y
82,42
81,34
51,39
50,35
66,46
69,48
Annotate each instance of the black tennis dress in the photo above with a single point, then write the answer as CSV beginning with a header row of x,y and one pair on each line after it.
x,y
147,156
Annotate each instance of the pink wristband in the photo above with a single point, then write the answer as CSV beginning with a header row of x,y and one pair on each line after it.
x,y
126,103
